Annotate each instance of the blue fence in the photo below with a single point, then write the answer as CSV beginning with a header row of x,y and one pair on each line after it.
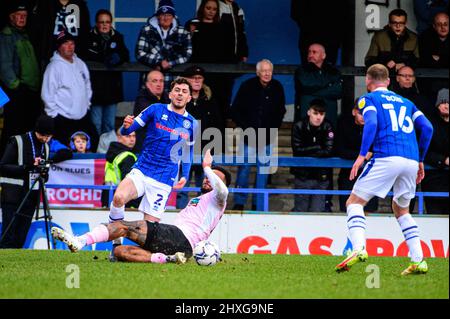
x,y
230,160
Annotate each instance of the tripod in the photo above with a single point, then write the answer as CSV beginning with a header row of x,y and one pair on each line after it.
x,y
47,216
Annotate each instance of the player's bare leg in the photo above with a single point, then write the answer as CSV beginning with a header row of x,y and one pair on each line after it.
x,y
136,254
132,254
136,231
125,192
410,231
356,223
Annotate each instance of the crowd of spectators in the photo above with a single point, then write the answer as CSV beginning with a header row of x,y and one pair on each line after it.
x,y
45,44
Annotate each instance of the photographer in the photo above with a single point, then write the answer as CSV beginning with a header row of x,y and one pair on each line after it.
x,y
23,161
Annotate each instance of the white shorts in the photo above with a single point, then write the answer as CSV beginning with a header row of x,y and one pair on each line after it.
x,y
156,193
380,175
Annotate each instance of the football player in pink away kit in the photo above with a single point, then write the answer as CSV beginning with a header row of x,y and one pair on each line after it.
x,y
162,243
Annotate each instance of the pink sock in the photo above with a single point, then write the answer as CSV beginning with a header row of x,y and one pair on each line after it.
x,y
158,258
99,234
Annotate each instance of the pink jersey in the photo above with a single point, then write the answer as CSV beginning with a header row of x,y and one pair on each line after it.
x,y
203,213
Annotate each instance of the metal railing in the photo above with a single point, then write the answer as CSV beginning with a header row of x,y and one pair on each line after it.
x,y
266,192
245,68
229,160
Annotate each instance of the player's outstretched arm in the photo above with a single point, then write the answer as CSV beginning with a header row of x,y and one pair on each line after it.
x,y
130,124
128,121
219,187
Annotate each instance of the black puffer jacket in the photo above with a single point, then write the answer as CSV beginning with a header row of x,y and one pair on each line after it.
x,y
308,140
431,45
106,86
257,107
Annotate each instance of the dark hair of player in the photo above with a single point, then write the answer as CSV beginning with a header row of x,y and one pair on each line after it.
x,y
224,172
181,80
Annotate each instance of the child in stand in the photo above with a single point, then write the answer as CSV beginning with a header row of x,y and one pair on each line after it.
x,y
80,142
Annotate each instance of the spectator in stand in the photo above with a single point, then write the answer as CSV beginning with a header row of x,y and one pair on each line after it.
x,y
153,92
395,46
317,79
207,34
235,50
80,142
106,45
347,145
52,17
434,43
434,53
119,162
425,10
312,136
437,180
105,140
315,19
259,104
163,42
204,108
19,75
232,19
66,92
208,47
405,86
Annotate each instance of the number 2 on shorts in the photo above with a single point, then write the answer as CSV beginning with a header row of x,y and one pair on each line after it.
x,y
158,201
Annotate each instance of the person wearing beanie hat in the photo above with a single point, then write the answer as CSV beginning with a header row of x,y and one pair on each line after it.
x,y
45,125
163,42
18,172
442,97
165,7
19,74
436,180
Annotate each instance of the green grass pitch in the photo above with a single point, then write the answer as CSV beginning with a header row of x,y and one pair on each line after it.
x,y
44,274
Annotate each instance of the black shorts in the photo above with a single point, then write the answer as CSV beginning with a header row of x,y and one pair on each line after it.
x,y
166,239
